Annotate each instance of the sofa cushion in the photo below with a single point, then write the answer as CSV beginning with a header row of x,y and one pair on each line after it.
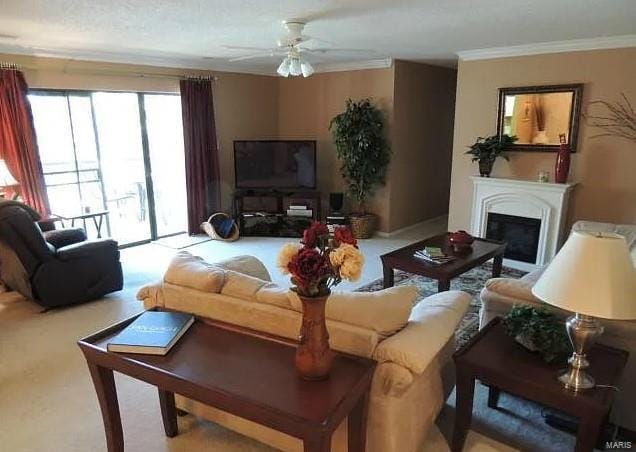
x,y
241,286
385,311
192,271
247,265
274,295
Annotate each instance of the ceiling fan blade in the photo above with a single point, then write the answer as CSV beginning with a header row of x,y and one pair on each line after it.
x,y
253,49
252,56
327,50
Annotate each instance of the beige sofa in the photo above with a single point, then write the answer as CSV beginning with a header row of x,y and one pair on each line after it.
x,y
500,294
412,342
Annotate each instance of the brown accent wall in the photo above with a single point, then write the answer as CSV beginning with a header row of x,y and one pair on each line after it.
x,y
423,113
306,107
604,168
246,106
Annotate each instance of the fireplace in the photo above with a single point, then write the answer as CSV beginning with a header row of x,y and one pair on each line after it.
x,y
520,233
529,215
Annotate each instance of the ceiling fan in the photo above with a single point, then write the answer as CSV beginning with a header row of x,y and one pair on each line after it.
x,y
291,49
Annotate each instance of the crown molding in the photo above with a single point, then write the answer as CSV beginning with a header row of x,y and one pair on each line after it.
x,y
166,60
574,45
354,65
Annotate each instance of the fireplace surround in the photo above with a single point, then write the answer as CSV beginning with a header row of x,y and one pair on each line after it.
x,y
526,214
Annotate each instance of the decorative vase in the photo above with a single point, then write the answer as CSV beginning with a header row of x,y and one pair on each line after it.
x,y
485,167
562,167
541,138
313,355
363,226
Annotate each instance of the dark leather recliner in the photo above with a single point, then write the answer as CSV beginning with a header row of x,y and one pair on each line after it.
x,y
58,267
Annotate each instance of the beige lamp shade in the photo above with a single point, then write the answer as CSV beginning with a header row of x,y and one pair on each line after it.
x,y
6,178
592,274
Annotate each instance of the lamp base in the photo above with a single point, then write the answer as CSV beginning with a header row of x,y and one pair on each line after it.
x,y
583,331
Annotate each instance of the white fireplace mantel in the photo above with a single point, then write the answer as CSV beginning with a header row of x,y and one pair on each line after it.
x,y
544,201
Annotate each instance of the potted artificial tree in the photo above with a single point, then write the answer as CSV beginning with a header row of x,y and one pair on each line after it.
x,y
486,150
358,134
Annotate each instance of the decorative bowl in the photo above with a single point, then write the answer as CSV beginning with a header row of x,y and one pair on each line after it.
x,y
461,241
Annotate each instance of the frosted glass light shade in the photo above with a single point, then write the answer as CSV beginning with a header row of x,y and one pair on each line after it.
x,y
592,274
283,69
294,67
306,68
6,178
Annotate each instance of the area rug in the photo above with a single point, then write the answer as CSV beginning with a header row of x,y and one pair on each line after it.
x,y
470,282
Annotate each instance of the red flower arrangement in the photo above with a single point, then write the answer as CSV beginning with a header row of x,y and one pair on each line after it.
x,y
321,261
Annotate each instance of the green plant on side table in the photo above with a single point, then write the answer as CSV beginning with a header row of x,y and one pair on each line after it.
x,y
486,150
364,154
538,330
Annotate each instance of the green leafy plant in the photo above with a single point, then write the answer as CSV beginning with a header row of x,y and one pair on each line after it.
x,y
539,329
358,134
489,148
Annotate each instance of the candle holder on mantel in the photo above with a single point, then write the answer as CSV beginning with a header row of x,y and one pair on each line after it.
x,y
562,166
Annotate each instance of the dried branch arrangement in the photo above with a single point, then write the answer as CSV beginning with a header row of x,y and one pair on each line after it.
x,y
618,119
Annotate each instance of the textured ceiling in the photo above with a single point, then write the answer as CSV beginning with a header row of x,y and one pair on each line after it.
x,y
183,32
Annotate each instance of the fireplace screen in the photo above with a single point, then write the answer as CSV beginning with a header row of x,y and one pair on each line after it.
x,y
520,233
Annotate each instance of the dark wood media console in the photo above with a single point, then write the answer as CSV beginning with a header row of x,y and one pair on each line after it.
x,y
264,212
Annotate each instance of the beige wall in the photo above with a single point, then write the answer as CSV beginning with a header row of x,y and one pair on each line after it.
x,y
604,168
424,108
245,105
306,106
418,103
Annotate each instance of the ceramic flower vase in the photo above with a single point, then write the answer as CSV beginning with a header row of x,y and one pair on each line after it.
x,y
313,355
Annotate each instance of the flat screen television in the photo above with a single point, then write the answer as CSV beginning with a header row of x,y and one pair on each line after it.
x,y
275,164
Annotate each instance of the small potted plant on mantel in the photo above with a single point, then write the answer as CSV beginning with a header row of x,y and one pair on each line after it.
x,y
358,134
486,150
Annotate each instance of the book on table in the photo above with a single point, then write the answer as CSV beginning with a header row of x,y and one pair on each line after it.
x,y
152,333
433,255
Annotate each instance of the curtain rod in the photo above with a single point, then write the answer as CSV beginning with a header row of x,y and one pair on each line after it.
x,y
17,67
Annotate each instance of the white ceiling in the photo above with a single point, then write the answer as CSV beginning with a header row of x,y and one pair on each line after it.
x,y
183,32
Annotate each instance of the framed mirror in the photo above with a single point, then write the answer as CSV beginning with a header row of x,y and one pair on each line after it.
x,y
537,115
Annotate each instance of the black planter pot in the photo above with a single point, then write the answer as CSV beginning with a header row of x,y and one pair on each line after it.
x,y
485,167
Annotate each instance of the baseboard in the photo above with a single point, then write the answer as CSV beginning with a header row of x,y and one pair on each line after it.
x,y
411,227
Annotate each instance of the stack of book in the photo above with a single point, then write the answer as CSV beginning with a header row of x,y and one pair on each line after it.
x,y
433,255
299,211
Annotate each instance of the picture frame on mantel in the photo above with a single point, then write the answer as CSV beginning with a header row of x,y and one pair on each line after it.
x,y
537,115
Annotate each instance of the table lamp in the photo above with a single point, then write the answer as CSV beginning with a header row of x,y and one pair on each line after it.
x,y
6,178
592,276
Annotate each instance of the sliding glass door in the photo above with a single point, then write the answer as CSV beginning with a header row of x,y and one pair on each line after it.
x,y
164,130
120,152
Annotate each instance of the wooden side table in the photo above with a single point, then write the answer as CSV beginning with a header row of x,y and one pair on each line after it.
x,y
498,361
261,385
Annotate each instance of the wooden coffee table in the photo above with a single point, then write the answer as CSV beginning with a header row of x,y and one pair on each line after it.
x,y
242,372
499,362
403,259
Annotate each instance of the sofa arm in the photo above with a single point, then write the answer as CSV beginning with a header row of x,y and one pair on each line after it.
x,y
432,323
92,248
151,295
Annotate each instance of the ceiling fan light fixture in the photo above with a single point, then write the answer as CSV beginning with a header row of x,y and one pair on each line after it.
x,y
306,68
284,68
295,68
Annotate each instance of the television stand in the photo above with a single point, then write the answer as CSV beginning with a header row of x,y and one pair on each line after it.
x,y
264,213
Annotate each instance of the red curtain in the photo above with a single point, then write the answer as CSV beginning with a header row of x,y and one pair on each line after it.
x,y
201,152
18,146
